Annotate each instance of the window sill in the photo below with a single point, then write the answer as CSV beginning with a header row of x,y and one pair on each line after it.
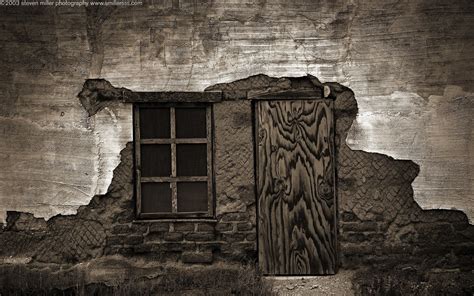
x,y
191,220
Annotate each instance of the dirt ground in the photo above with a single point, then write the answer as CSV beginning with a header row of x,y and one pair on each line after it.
x,y
339,284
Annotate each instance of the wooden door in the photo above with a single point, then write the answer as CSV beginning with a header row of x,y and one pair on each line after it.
x,y
296,187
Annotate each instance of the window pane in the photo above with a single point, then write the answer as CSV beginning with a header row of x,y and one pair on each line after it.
x,y
156,197
156,160
154,123
192,197
191,159
191,123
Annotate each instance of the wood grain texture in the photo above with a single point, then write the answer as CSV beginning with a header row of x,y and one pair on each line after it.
x,y
295,183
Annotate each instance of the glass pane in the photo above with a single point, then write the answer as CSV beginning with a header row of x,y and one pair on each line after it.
x,y
191,159
191,123
154,123
156,160
192,197
156,197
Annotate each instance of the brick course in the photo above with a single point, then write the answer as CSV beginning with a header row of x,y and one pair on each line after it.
x,y
378,218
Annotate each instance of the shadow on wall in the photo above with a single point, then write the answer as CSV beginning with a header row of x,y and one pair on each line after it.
x,y
378,219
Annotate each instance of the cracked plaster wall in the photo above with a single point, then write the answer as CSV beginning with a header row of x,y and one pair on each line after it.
x,y
404,60
379,220
436,133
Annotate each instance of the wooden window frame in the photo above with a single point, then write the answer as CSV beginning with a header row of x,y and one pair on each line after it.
x,y
174,179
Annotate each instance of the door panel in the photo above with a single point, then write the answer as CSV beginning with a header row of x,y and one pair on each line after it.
x,y
295,187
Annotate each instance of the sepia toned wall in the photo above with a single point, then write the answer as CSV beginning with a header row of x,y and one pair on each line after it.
x,y
378,219
409,64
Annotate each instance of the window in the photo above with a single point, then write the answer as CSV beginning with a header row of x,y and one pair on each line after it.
x,y
173,160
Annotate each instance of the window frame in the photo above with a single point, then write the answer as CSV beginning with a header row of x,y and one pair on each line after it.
x,y
174,179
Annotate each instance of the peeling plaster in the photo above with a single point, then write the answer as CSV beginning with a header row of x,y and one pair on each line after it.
x,y
437,133
46,171
113,130
380,49
375,196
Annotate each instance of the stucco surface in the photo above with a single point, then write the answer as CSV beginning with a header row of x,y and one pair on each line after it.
x,y
234,165
378,219
406,61
436,133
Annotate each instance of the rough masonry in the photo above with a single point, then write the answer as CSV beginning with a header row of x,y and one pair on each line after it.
x,y
399,57
379,221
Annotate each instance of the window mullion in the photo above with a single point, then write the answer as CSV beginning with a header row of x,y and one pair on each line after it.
x,y
174,191
138,148
210,202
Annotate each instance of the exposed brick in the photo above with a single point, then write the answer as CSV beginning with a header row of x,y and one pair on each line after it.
x,y
173,236
121,229
140,228
206,227
133,240
197,257
433,249
143,248
464,249
115,240
379,217
348,216
409,237
112,250
159,227
213,246
168,257
233,237
251,236
375,237
175,246
184,226
434,232
244,226
227,248
247,246
383,226
155,247
126,251
234,94
125,217
127,204
354,237
26,222
460,226
373,188
200,236
360,226
468,233
224,227
433,227
169,247
154,237
236,217
356,249
397,249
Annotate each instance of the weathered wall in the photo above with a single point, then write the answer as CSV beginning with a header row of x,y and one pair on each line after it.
x,y
401,55
378,219
435,132
108,225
